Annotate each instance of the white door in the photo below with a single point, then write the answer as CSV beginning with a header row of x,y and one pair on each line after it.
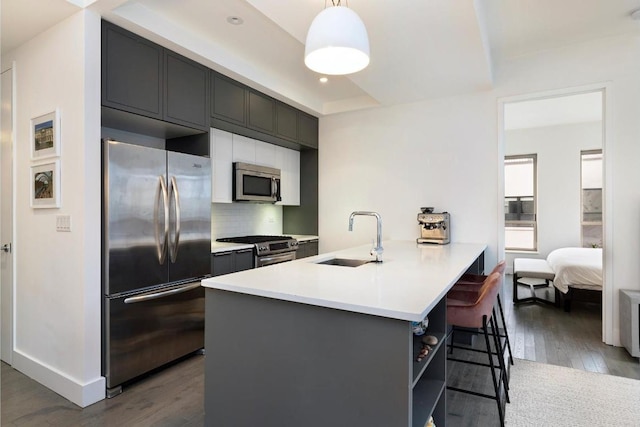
x,y
6,217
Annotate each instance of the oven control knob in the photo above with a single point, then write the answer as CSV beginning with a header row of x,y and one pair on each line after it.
x,y
262,248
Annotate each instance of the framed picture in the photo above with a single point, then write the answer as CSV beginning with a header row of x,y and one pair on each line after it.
x,y
45,185
45,136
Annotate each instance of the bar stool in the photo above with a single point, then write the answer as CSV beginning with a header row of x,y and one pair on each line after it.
x,y
472,283
479,315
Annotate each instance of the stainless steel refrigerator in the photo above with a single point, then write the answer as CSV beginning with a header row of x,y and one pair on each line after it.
x,y
156,237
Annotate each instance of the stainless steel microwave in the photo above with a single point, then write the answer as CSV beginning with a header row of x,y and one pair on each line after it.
x,y
253,183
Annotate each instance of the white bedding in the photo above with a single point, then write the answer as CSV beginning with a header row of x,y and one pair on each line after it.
x,y
579,267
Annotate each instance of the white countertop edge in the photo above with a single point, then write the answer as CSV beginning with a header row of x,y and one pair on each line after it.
x,y
392,314
303,237
217,247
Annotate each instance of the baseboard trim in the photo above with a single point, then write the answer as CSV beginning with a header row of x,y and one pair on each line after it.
x,y
82,395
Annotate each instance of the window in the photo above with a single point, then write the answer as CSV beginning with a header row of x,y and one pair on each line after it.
x,y
520,203
591,186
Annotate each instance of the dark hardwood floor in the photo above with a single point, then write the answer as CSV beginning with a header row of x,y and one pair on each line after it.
x,y
174,396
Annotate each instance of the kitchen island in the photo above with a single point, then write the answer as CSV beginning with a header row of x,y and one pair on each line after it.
x,y
308,344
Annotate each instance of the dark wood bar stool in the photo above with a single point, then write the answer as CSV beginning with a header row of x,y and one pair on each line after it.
x,y
473,283
478,314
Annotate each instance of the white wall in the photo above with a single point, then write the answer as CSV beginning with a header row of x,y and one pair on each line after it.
x,y
395,160
445,152
558,149
57,294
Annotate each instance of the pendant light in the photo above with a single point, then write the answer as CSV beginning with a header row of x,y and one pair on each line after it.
x,y
337,42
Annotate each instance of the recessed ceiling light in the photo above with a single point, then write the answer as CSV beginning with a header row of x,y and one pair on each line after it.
x,y
323,79
235,20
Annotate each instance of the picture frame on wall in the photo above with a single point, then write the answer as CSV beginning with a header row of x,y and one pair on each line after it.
x,y
45,185
45,136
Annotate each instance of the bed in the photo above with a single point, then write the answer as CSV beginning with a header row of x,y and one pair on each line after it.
x,y
578,268
573,271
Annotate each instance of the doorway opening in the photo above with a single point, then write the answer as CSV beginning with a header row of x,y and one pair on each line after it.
x,y
558,128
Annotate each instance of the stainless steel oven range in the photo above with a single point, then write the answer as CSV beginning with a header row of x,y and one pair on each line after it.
x,y
268,250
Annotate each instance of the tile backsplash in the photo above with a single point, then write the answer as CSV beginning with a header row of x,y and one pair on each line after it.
x,y
243,219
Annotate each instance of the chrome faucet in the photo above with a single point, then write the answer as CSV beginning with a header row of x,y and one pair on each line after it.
x,y
377,251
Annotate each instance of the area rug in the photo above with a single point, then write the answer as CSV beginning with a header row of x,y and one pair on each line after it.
x,y
547,395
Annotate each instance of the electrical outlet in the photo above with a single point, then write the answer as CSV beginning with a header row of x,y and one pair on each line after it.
x,y
63,223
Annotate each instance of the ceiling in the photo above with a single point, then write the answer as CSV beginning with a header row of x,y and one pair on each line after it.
x,y
419,49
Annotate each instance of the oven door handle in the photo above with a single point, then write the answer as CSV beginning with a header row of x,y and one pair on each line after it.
x,y
264,261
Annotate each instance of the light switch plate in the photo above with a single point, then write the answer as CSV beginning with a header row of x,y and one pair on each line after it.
x,y
63,223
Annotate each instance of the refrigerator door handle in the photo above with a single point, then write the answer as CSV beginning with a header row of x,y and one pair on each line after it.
x,y
161,242
173,248
161,294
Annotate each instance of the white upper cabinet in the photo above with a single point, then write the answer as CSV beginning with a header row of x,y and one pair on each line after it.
x,y
266,154
227,148
288,161
248,150
244,149
221,166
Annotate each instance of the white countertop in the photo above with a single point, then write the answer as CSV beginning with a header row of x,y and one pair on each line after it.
x,y
217,247
303,237
408,283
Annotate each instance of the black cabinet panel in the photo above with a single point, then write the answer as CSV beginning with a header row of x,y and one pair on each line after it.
x,y
231,262
228,100
132,72
261,112
244,260
286,121
185,95
307,248
477,267
308,130
221,263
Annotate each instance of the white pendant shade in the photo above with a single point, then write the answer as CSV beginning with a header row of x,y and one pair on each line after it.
x,y
337,42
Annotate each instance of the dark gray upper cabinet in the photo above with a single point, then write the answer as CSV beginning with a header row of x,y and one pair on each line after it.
x,y
262,110
307,130
185,91
240,109
228,100
141,77
286,121
132,72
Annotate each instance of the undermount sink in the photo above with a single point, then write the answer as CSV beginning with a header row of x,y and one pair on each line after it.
x,y
344,262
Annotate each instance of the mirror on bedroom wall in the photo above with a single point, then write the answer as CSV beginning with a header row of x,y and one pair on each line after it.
x,y
553,175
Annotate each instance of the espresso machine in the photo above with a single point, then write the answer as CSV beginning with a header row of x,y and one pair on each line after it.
x,y
434,227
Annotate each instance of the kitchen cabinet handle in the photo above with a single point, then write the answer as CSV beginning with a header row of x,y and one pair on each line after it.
x,y
161,294
173,248
161,242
